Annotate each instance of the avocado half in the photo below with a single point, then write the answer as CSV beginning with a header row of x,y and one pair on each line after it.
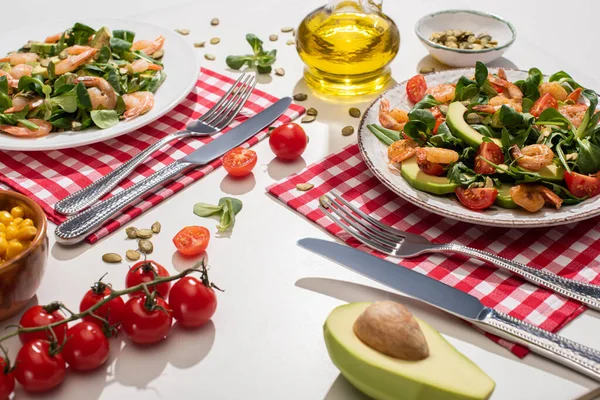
x,y
418,179
445,375
455,117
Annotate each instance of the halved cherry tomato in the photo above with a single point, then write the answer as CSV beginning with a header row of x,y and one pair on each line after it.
x,y
438,122
288,141
146,271
192,240
428,167
491,152
38,367
416,88
476,198
575,95
111,311
239,161
40,316
147,321
436,112
582,185
7,379
87,347
544,102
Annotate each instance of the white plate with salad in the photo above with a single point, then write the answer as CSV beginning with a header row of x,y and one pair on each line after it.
x,y
494,147
72,83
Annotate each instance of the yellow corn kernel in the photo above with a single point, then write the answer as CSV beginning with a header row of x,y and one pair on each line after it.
x,y
16,221
26,222
3,246
2,227
14,248
26,244
5,217
3,235
26,233
17,212
11,232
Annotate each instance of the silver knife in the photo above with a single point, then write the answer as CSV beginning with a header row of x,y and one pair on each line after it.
x,y
567,352
74,229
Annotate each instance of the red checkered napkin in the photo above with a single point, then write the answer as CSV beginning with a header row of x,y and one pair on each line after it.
x,y
48,177
569,250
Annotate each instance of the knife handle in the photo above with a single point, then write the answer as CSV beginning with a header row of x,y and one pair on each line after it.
x,y
74,229
585,293
562,350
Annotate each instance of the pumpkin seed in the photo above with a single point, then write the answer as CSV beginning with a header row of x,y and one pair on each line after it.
x,y
63,55
279,71
308,118
145,246
473,118
156,227
290,42
300,96
132,255
354,112
324,201
214,21
27,45
286,29
215,40
144,233
312,111
199,44
273,38
210,57
131,232
304,186
158,54
112,258
76,126
45,62
443,109
348,130
459,39
426,70
183,31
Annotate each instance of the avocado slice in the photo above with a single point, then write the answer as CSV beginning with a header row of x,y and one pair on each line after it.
x,y
552,172
503,199
42,48
101,38
427,183
445,375
459,127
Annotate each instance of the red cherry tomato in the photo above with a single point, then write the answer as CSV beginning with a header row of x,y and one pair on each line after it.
x,y
491,152
438,122
544,102
192,240
476,198
147,271
87,347
40,316
193,301
582,185
575,95
288,141
37,370
239,161
428,167
111,311
416,88
7,379
146,321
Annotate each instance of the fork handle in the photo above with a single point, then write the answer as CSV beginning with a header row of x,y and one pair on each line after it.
x,y
74,229
90,194
585,293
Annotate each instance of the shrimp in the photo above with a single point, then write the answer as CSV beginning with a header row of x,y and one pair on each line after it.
x,y
511,97
141,65
402,150
533,157
20,58
44,128
12,82
533,197
392,119
72,62
101,93
137,103
574,113
78,49
55,38
444,93
20,101
440,156
21,70
555,89
149,46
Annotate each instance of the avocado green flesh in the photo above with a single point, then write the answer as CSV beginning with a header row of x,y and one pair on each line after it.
x,y
445,375
101,38
552,173
503,199
41,48
459,127
421,181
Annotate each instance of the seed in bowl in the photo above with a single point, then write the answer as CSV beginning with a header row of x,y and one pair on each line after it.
x,y
16,233
459,39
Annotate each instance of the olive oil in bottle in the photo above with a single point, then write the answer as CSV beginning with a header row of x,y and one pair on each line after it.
x,y
347,47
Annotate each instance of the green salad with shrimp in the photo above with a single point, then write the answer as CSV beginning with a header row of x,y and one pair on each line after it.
x,y
78,78
526,144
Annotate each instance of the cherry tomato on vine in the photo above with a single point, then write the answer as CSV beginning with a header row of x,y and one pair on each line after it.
x,y
239,161
416,88
193,301
147,271
38,367
87,347
146,320
192,240
111,311
288,141
7,379
41,316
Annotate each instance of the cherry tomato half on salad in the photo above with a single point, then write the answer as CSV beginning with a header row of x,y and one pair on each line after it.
x,y
491,152
544,102
111,311
416,88
146,271
192,240
288,141
193,302
476,198
87,347
428,167
582,185
239,161
7,379
41,316
38,368
147,321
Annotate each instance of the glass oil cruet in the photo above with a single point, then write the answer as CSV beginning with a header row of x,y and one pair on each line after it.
x,y
347,47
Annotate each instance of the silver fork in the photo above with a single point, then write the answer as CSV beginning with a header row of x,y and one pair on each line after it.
x,y
397,243
213,121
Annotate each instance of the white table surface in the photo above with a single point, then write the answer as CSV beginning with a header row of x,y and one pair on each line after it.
x,y
265,341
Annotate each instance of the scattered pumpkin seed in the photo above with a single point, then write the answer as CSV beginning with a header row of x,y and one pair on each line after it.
x,y
426,70
145,246
156,227
215,40
199,44
112,258
354,112
324,201
144,233
304,186
308,118
214,21
183,31
300,96
132,255
210,57
312,111
131,232
347,130
290,42
279,71
286,29
273,38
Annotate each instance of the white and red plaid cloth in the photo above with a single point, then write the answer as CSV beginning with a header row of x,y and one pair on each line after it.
x,y
571,251
48,177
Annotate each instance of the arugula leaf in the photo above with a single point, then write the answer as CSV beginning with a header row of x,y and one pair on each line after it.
x,y
508,117
80,34
466,89
237,62
227,209
379,135
481,73
66,101
127,36
119,45
424,116
31,83
590,120
255,43
551,117
236,204
417,131
104,118
206,210
444,138
588,159
104,55
5,101
426,102
461,174
83,97
261,59
529,86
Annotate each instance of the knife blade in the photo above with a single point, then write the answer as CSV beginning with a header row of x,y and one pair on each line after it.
x,y
571,354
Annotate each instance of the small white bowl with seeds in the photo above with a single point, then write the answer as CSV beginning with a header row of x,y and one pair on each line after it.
x,y
460,38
